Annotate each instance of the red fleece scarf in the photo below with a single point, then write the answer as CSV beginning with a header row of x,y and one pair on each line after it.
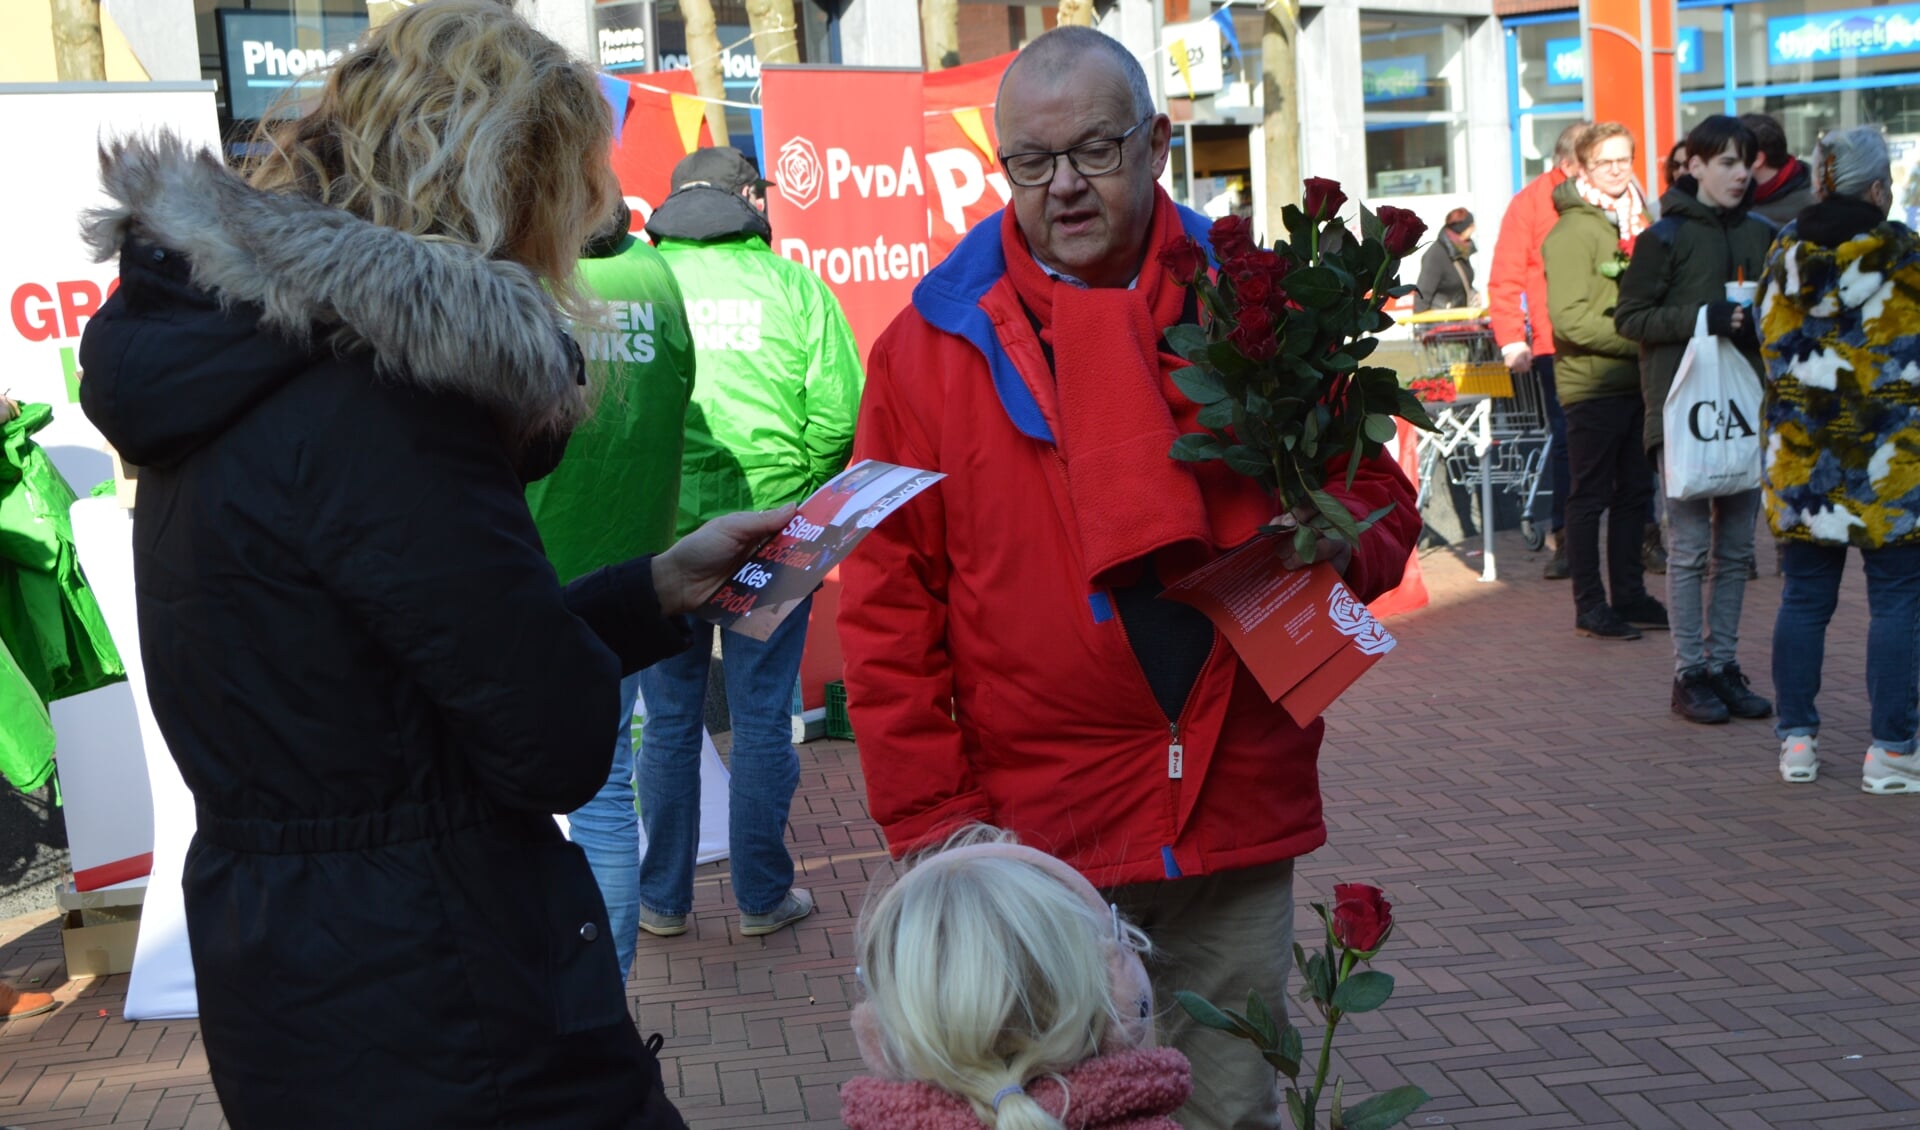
x,y
1779,183
1119,413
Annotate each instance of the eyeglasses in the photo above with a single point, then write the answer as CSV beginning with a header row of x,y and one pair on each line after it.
x,y
1096,158
1612,163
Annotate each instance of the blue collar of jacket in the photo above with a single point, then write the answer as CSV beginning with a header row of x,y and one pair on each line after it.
x,y
949,299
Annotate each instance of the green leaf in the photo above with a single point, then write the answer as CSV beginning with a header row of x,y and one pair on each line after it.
x,y
1304,540
1219,414
1297,1107
1200,384
1370,225
1262,1020
1288,1067
1317,287
1207,1016
1370,519
1363,992
1381,428
1333,1108
1248,461
1196,448
1338,515
1188,340
1291,1046
1386,1109
1334,238
1411,410
1318,973
1342,362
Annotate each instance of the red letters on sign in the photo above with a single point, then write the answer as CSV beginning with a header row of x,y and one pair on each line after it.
x,y
38,317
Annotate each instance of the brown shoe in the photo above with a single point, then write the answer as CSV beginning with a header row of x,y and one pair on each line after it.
x,y
16,1005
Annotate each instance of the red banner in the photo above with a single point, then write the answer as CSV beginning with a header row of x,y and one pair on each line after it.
x,y
964,181
661,122
852,200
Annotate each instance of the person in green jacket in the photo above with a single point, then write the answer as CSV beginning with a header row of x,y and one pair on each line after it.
x,y
1598,374
615,497
1706,238
770,423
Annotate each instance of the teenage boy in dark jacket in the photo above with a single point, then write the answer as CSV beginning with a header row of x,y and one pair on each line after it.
x,y
1706,238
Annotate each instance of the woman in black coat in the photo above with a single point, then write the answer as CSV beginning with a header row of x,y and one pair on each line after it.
x,y
1446,270
370,677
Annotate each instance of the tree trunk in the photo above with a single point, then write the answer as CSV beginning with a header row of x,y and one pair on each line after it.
x,y
77,52
773,31
1280,95
703,50
940,31
1076,12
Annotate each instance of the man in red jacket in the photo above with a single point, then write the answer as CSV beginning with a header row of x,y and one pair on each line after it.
x,y
1517,306
1007,661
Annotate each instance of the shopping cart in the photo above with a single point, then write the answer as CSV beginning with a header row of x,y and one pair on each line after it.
x,y
1494,435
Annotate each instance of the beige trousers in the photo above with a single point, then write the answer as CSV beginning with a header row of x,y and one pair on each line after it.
x,y
1219,936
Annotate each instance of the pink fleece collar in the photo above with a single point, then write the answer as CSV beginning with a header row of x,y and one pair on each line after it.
x,y
1130,1090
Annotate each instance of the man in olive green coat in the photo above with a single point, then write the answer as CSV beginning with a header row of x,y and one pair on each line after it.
x,y
615,496
1597,370
1681,266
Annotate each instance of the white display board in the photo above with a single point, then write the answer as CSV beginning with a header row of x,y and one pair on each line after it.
x,y
51,284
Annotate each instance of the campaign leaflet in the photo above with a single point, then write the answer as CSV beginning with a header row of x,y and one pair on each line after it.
x,y
786,568
1301,632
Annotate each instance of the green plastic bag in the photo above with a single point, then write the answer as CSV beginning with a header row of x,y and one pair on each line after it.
x,y
49,618
26,733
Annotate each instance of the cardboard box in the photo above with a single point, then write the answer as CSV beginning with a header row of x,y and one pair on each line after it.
x,y
100,928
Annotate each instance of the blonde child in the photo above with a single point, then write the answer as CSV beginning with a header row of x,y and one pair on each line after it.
x,y
1002,991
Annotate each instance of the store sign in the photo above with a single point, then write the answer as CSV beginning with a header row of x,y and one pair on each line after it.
x,y
623,34
1858,33
1390,80
1567,61
739,62
1198,44
264,53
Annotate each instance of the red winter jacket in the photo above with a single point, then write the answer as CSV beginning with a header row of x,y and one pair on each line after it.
x,y
1518,271
987,683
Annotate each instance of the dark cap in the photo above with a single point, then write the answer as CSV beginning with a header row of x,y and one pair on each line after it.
x,y
721,166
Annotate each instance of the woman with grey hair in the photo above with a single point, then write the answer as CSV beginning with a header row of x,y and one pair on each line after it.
x,y
1842,437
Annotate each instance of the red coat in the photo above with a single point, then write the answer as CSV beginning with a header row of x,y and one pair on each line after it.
x,y
1518,269
987,683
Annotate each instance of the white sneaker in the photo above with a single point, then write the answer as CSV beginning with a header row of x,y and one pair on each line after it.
x,y
1799,759
1886,773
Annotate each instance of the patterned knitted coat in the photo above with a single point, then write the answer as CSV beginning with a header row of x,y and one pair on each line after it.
x,y
1840,328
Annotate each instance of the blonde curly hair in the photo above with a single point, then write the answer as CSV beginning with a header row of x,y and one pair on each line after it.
x,y
457,120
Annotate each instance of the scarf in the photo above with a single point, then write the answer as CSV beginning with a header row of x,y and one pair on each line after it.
x,y
1778,185
1628,211
1118,413
1130,1090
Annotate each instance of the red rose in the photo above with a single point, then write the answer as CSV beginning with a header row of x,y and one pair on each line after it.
x,y
1184,258
1230,236
1362,916
1253,288
1404,230
1324,198
1253,333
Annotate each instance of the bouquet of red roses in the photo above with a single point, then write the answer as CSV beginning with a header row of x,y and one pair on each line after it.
x,y
1278,361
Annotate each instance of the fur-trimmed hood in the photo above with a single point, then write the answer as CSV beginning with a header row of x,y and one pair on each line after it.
x,y
318,282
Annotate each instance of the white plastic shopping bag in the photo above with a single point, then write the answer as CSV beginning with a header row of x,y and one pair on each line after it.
x,y
1712,420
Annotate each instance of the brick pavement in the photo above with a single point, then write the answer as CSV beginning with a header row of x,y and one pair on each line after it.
x,y
1608,917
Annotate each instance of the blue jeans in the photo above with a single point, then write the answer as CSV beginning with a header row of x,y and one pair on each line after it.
x,y
1893,621
765,768
1706,614
1561,478
607,829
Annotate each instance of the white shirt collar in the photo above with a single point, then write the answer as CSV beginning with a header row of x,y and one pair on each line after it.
x,y
1062,276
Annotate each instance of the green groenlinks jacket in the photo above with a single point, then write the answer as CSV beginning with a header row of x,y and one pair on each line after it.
x,y
1591,359
1679,265
615,494
780,378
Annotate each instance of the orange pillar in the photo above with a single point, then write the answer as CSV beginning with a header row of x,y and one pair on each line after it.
x,y
1631,77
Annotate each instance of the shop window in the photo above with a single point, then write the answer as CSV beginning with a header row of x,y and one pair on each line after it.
x,y
1538,133
1550,62
1411,70
1782,41
1700,49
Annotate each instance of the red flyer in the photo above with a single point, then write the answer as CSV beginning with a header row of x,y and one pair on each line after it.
x,y
1301,632
786,568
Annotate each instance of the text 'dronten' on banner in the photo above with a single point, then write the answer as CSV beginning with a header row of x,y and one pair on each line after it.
x,y
851,199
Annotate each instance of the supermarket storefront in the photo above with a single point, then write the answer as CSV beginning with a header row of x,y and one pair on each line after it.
x,y
1815,65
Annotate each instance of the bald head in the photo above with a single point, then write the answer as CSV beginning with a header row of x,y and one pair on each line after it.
x,y
1065,49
